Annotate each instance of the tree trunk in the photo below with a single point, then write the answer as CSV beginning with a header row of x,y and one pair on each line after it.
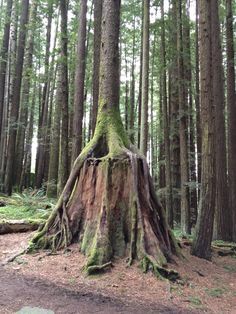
x,y
222,212
11,67
3,58
16,98
165,113
79,84
96,58
197,99
23,115
132,90
109,205
174,112
183,128
231,103
63,100
26,172
145,73
43,112
203,234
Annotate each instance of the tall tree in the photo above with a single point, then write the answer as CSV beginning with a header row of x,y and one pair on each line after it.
x,y
183,128
204,228
96,58
16,97
197,95
222,211
63,99
145,74
174,112
24,104
231,103
165,112
43,110
79,83
113,207
3,58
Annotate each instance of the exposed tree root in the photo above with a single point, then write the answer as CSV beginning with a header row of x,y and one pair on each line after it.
x,y
110,208
97,268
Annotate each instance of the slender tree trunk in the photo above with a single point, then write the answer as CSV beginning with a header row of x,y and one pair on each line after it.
x,y
63,99
222,212
174,112
96,58
79,84
43,113
231,103
9,93
145,73
3,59
197,99
27,77
25,181
132,90
16,98
191,121
165,111
203,234
183,128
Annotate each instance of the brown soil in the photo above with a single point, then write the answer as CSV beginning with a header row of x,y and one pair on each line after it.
x,y
57,282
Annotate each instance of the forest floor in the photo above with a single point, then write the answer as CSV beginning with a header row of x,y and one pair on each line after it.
x,y
57,282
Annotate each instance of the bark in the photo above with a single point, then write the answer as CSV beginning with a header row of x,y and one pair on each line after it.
x,y
132,90
183,127
109,204
9,93
165,111
4,57
174,112
54,150
43,112
23,114
79,84
16,98
140,80
145,73
25,181
231,105
63,100
222,212
16,226
126,90
204,228
191,121
197,100
96,59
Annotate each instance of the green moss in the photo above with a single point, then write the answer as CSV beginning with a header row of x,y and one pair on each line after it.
x,y
26,207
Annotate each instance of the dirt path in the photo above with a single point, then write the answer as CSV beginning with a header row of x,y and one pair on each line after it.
x,y
56,282
17,291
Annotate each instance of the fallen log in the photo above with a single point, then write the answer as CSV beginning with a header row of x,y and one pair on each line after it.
x,y
16,226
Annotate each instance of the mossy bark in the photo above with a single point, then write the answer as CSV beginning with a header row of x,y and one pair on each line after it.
x,y
109,206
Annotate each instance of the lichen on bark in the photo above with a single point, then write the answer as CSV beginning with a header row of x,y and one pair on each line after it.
x,y
109,206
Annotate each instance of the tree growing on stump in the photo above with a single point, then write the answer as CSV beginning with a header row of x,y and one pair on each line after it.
x,y
109,205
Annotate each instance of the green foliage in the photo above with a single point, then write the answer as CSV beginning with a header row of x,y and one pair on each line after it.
x,y
179,235
25,206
